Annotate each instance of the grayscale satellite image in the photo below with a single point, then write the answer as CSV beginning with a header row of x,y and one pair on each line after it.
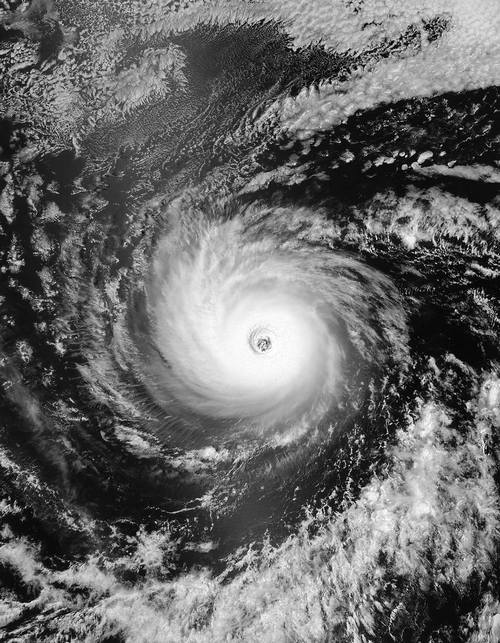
x,y
250,321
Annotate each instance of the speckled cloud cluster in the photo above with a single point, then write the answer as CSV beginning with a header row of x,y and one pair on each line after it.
x,y
92,69
467,56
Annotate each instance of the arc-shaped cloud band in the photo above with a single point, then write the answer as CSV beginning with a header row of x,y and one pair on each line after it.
x,y
251,327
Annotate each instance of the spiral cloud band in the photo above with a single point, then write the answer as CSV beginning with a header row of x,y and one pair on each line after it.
x,y
255,333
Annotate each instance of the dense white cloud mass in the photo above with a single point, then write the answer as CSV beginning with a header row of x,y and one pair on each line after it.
x,y
261,329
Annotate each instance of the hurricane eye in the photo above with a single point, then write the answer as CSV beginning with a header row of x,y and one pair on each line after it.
x,y
260,341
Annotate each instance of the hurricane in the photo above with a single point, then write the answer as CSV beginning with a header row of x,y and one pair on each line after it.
x,y
255,334
249,321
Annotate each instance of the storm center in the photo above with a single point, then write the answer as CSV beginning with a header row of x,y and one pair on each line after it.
x,y
260,341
